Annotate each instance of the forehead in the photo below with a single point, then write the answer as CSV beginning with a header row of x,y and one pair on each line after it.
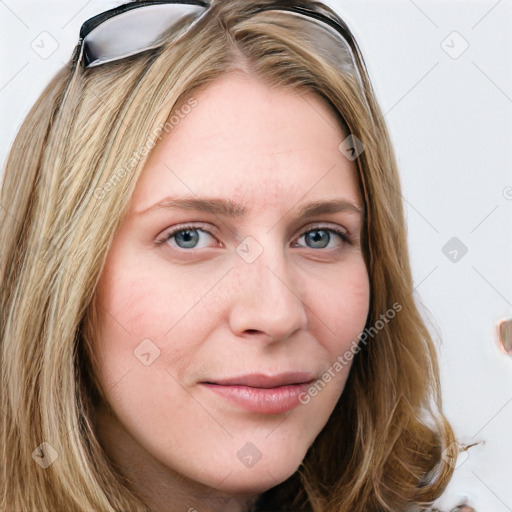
x,y
243,139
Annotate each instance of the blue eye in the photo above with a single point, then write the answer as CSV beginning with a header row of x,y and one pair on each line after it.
x,y
320,237
187,237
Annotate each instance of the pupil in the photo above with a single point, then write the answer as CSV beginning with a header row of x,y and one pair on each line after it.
x,y
312,236
190,237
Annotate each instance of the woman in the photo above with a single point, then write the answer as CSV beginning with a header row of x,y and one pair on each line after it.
x,y
279,364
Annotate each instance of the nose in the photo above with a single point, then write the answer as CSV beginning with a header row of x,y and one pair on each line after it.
x,y
266,299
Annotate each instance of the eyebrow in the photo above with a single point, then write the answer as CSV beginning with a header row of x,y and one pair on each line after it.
x,y
229,208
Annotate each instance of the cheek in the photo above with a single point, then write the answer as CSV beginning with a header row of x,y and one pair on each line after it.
x,y
137,295
139,310
342,306
341,310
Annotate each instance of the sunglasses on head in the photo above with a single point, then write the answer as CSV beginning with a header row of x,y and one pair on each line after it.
x,y
135,27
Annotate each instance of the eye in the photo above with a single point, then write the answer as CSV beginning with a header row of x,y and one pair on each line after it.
x,y
184,237
320,236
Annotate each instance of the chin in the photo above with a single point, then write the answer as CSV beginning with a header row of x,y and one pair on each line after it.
x,y
254,483
261,477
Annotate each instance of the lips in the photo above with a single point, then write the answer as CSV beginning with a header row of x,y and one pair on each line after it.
x,y
262,394
258,380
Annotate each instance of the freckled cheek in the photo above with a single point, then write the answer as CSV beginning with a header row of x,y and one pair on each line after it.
x,y
129,311
145,302
346,306
136,307
358,289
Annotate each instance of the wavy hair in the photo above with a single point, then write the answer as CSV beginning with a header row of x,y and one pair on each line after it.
x,y
381,449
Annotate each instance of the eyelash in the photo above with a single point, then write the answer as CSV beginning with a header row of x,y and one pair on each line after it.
x,y
346,237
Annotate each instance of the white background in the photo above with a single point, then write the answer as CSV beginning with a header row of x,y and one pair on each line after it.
x,y
450,118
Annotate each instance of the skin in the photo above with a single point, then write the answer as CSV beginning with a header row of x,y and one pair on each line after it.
x,y
297,306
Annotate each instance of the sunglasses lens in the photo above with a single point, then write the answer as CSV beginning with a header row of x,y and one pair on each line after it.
x,y
137,30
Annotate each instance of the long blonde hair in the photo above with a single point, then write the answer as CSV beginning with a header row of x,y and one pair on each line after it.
x,y
382,448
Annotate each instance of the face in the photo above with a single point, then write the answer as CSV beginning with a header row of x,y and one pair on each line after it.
x,y
219,323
